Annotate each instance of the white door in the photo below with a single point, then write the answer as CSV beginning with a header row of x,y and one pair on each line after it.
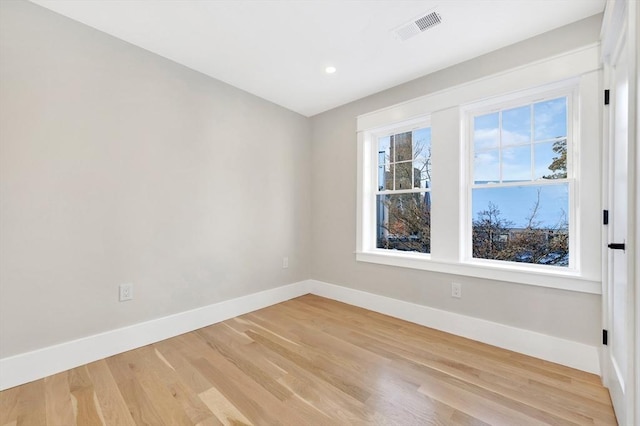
x,y
619,366
619,323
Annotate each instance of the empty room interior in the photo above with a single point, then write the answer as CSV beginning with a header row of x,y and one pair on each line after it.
x,y
322,212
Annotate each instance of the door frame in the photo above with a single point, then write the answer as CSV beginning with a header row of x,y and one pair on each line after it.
x,y
621,20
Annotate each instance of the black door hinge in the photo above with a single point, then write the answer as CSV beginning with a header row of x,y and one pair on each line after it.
x,y
606,97
605,337
616,246
605,217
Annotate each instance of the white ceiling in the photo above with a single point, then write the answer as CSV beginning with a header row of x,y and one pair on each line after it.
x,y
278,49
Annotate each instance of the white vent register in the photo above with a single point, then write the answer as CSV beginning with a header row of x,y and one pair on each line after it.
x,y
418,25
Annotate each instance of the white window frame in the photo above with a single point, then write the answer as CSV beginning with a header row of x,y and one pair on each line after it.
x,y
373,137
448,232
568,89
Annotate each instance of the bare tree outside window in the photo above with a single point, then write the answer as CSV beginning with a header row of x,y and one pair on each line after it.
x,y
495,237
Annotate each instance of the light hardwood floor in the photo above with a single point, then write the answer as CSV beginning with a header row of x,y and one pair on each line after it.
x,y
312,361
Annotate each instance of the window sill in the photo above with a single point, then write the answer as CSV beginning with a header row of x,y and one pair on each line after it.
x,y
521,274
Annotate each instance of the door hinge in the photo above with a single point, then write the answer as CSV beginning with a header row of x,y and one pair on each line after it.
x,y
605,337
606,97
616,246
605,217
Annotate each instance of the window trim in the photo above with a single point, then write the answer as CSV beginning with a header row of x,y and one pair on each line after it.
x,y
563,280
581,65
423,121
369,171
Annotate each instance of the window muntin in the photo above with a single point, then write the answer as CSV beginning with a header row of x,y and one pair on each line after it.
x,y
521,183
403,195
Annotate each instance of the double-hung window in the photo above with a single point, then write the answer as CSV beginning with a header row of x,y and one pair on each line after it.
x,y
522,181
506,189
403,188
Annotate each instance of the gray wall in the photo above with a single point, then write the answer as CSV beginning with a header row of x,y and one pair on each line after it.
x,y
116,166
571,315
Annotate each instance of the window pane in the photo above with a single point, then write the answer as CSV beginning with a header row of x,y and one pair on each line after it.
x,y
522,224
516,163
516,126
421,174
486,131
386,179
384,150
402,149
385,176
422,143
422,158
550,119
486,167
551,160
404,222
404,176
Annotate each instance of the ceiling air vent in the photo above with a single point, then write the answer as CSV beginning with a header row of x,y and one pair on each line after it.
x,y
416,26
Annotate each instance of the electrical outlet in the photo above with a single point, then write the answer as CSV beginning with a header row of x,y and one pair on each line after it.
x,y
285,262
456,290
126,292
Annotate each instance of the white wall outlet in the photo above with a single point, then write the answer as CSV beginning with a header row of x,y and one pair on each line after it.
x,y
126,292
456,290
285,262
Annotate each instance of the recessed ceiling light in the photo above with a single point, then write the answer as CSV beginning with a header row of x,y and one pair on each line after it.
x,y
330,70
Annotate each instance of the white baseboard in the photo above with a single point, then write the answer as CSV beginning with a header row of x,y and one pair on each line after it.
x,y
29,366
561,351
26,367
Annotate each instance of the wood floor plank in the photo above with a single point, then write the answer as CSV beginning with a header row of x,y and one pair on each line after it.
x,y
253,370
86,409
141,407
31,409
147,374
517,392
250,367
240,393
58,401
183,367
319,367
426,372
341,408
113,407
475,405
192,406
9,401
419,332
480,356
365,317
312,361
222,408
